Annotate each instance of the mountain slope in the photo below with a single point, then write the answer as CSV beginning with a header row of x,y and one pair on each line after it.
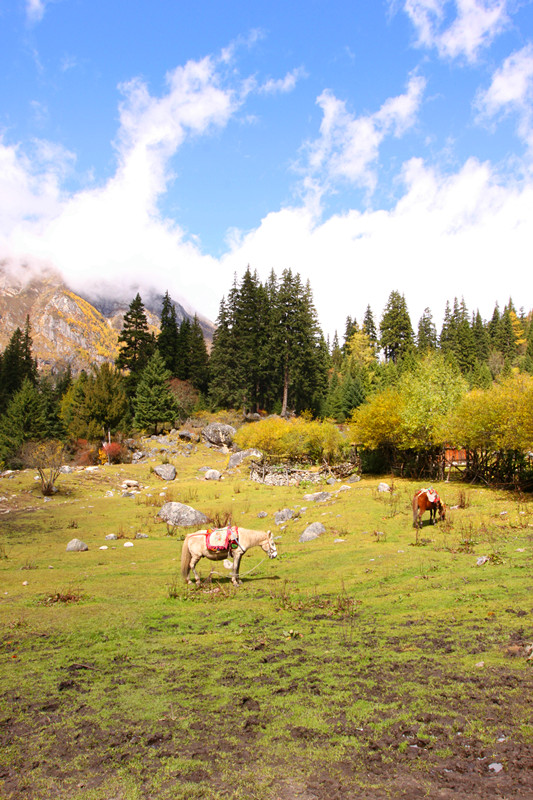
x,y
68,329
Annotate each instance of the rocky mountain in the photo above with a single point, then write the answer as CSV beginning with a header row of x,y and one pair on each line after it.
x,y
68,329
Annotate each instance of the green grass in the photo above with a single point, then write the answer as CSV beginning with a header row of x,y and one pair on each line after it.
x,y
374,652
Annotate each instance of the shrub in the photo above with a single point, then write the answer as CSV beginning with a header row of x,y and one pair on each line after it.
x,y
294,438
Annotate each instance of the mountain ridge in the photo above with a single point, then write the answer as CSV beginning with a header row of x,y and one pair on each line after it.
x,y
67,328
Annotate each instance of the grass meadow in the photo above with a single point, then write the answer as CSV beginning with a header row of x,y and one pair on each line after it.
x,y
373,662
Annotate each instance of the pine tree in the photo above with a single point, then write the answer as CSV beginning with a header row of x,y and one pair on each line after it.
x,y
154,402
396,331
427,333
481,338
23,421
138,342
17,364
167,341
198,358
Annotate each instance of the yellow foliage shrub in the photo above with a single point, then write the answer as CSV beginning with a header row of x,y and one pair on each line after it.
x,y
293,438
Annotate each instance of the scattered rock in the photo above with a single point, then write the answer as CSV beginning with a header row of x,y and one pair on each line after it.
x,y
219,434
103,547
312,531
495,767
181,515
166,471
237,458
141,536
66,470
76,546
318,497
186,436
130,483
353,478
331,481
128,544
212,475
283,516
482,560
262,514
111,536
383,487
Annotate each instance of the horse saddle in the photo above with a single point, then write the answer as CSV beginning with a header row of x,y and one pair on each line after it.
x,y
222,539
431,495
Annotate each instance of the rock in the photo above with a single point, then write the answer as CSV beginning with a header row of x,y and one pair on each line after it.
x,y
318,497
141,536
111,536
103,547
186,436
312,531
66,470
331,481
219,434
212,475
166,471
128,544
92,469
76,546
128,494
283,516
237,458
383,487
482,560
109,493
353,479
262,514
130,483
182,515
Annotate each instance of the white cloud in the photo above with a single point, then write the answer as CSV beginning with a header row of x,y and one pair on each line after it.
x,y
512,90
475,26
348,146
35,10
283,85
460,235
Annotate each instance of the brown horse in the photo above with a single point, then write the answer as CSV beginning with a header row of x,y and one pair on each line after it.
x,y
195,547
427,500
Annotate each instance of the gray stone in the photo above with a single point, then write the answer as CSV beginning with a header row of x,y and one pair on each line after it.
x,y
283,516
312,531
76,546
219,434
330,481
262,514
182,515
237,458
185,435
383,487
141,536
212,475
111,536
66,470
353,478
318,497
166,471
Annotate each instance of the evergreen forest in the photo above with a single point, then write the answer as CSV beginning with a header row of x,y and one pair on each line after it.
x,y
404,398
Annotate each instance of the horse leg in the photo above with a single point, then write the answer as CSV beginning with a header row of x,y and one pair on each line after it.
x,y
192,567
236,581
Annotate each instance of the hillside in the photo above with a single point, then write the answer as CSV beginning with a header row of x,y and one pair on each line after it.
x,y
68,329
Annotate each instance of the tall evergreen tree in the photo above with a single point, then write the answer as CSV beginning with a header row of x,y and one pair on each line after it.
x,y
481,338
154,402
396,331
23,421
17,364
167,341
222,363
427,333
369,328
198,358
138,343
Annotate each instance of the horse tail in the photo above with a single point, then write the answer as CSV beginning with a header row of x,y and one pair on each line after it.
x,y
185,559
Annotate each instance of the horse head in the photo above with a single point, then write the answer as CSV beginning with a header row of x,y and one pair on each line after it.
x,y
269,545
442,510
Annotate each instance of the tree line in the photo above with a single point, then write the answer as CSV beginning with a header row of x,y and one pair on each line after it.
x,y
270,355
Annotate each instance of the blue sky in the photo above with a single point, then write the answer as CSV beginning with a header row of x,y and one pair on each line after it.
x,y
371,147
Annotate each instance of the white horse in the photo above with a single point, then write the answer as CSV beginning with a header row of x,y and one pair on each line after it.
x,y
195,547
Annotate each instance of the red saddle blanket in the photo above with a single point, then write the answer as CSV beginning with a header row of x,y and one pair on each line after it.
x,y
222,538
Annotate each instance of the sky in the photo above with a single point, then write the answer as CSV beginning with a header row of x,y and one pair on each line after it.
x,y
371,146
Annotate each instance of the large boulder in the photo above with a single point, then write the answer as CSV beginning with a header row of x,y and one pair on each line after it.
x,y
166,471
219,434
318,497
182,516
212,475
